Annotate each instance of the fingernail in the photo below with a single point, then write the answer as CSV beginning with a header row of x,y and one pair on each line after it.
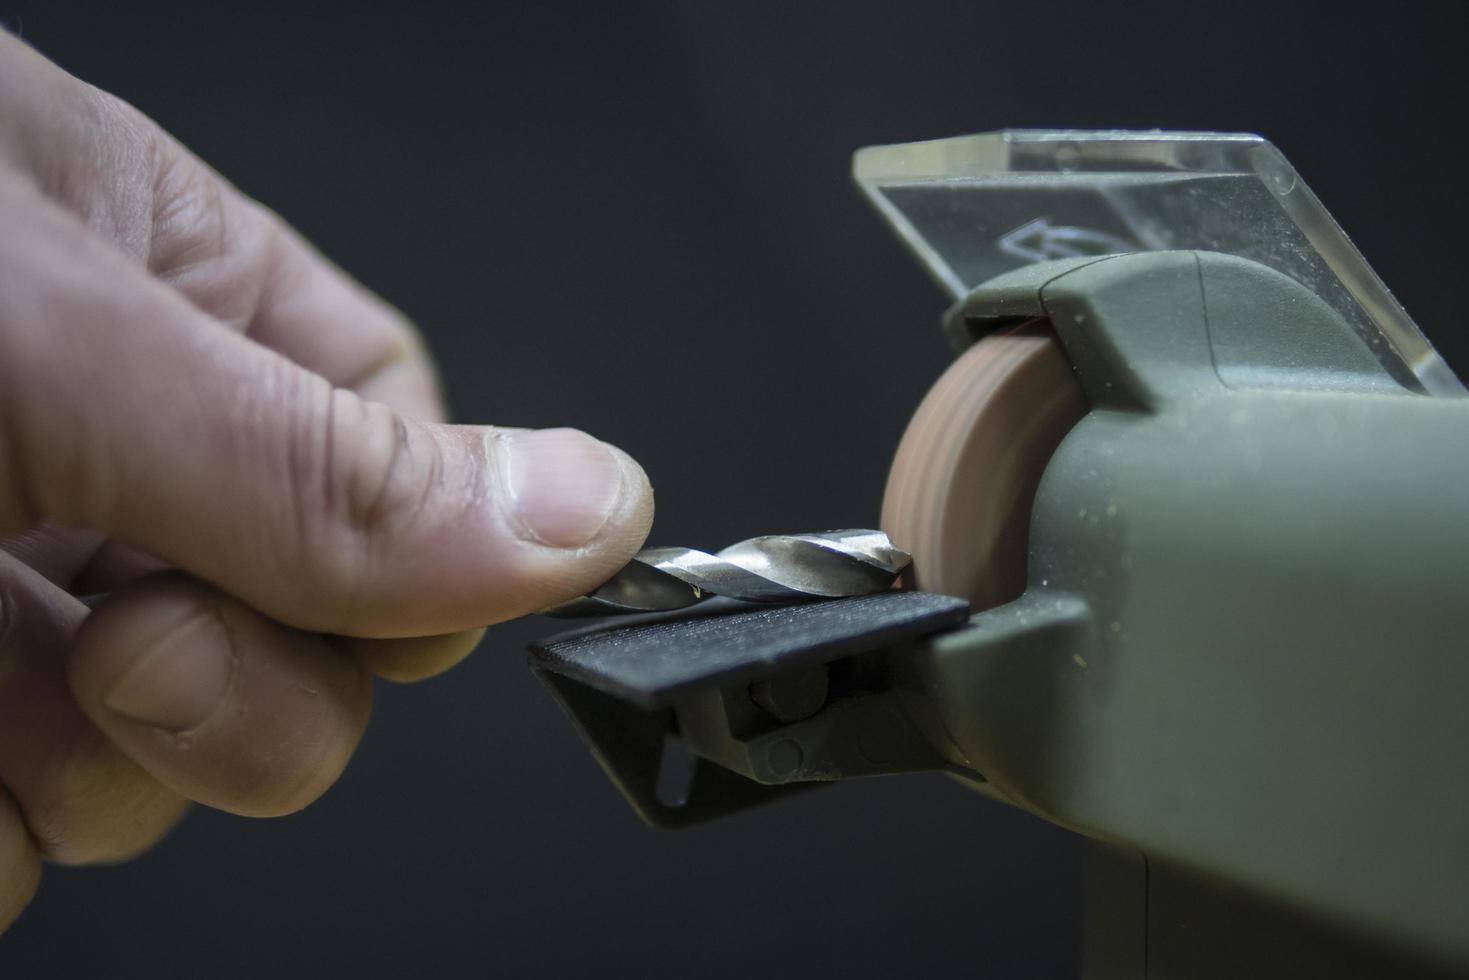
x,y
563,484
180,679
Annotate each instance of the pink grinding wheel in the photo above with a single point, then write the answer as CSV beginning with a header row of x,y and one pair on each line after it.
x,y
960,489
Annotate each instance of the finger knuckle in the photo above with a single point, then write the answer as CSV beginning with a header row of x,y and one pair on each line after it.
x,y
20,865
384,467
364,478
7,622
98,806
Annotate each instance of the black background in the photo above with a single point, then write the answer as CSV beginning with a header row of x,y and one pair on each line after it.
x,y
637,219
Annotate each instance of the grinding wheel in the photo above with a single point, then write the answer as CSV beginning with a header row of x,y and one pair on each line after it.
x,y
960,489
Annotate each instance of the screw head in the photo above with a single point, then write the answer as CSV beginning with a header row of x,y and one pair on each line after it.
x,y
792,696
785,757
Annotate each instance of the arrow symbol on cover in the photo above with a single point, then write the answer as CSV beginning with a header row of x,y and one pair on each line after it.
x,y
1038,240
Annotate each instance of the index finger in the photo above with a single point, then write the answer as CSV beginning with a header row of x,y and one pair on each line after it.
x,y
231,257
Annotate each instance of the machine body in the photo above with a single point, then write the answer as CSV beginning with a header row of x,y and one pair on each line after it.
x,y
1220,606
1241,651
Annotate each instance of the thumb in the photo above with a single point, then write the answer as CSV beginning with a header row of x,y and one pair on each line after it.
x,y
131,412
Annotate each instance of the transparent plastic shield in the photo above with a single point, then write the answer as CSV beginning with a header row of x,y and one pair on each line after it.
x,y
973,207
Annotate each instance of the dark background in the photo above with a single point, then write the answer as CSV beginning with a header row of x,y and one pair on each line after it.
x,y
637,219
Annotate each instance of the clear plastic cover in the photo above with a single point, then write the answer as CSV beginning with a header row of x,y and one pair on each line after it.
x,y
973,207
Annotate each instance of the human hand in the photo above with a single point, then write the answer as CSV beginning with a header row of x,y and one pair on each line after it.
x,y
205,420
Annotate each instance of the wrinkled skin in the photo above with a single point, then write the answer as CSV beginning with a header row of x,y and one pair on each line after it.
x,y
237,455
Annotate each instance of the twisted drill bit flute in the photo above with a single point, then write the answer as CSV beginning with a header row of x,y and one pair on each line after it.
x,y
775,568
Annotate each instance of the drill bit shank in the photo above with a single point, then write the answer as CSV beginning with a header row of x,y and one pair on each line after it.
x,y
775,568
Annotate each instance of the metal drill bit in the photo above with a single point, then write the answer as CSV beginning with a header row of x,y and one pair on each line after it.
x,y
776,568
